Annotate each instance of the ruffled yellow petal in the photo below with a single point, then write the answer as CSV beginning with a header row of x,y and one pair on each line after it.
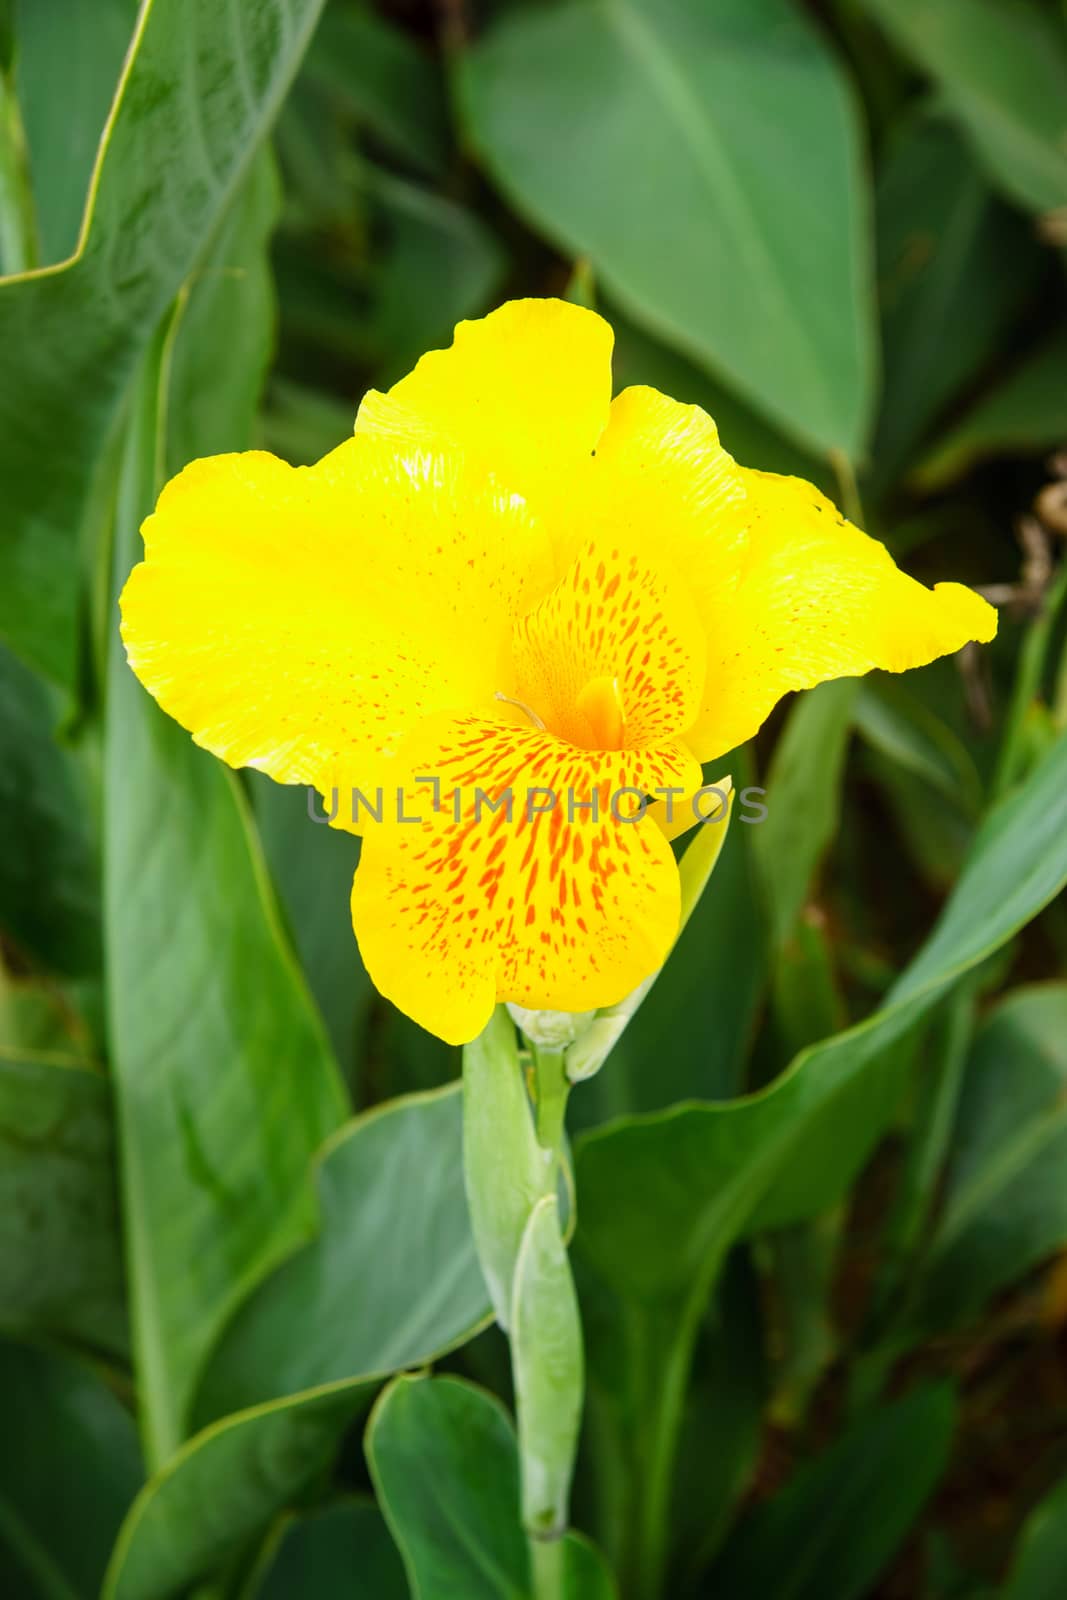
x,y
525,391
301,620
614,656
818,599
787,591
556,908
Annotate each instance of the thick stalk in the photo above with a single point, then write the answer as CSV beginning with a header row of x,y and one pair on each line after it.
x,y
513,1138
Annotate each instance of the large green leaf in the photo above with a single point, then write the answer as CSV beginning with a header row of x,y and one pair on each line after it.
x,y
1005,1206
342,1549
390,1190
225,1081
954,266
424,265
391,1282
840,1519
443,1458
749,437
1003,71
385,79
69,1467
60,1256
69,54
1041,1559
707,160
312,866
803,799
902,726
1024,415
49,875
662,1196
225,335
200,87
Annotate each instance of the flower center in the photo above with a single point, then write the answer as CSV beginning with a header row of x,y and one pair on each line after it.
x,y
595,719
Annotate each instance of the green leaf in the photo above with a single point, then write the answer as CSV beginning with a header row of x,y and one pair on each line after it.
x,y
443,1460
839,1520
69,1467
312,866
1003,72
69,55
1041,1557
438,264
954,265
1024,415
1004,1208
640,359
342,1549
221,1489
60,1253
723,1430
225,335
894,720
389,84
391,1281
49,875
707,161
391,1278
425,264
80,328
803,799
225,1081
663,1196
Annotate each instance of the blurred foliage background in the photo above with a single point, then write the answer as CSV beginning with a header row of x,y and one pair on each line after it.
x,y
826,1325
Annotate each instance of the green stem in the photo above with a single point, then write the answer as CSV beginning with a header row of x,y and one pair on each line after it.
x,y
847,488
551,1088
546,1568
512,1155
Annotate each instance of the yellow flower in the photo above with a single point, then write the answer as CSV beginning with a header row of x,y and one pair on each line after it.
x,y
498,526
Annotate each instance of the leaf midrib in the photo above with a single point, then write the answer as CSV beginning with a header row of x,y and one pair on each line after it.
x,y
683,108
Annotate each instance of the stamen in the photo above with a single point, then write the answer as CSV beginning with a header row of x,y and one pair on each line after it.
x,y
520,705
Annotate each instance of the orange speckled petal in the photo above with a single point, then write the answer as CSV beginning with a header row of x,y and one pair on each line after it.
x,y
300,620
553,908
614,656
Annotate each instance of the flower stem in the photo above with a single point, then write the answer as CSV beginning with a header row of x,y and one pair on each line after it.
x,y
546,1568
551,1088
539,1311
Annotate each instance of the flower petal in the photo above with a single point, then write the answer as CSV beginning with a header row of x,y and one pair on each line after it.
x,y
614,656
300,620
818,599
525,391
788,592
555,909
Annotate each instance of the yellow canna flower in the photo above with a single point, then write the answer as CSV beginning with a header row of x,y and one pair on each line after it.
x,y
507,582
